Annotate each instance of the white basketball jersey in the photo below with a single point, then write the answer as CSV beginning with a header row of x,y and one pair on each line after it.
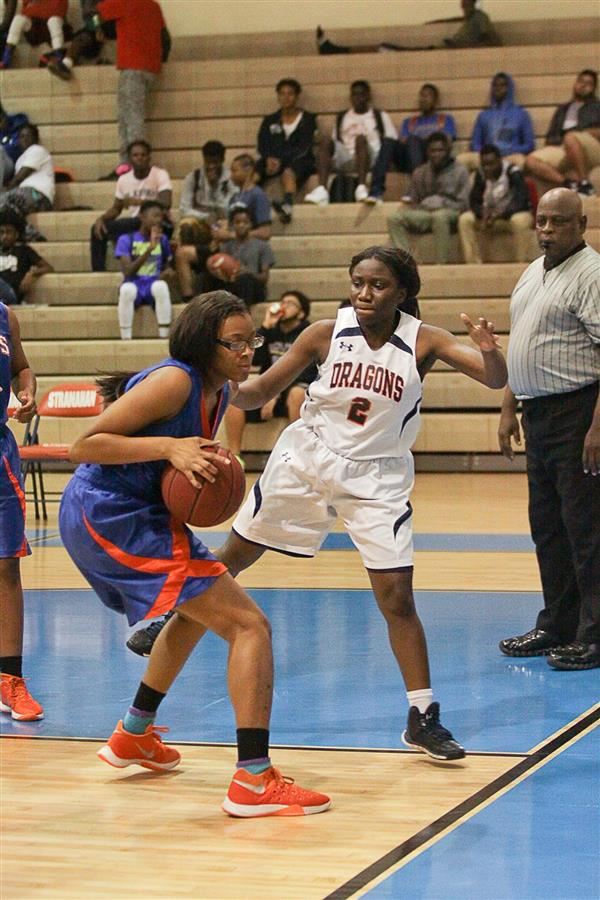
x,y
365,403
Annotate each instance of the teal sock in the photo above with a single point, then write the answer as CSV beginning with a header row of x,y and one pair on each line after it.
x,y
255,766
136,721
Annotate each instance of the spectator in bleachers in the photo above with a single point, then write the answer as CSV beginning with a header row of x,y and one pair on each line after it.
x,y
439,192
10,149
87,42
145,258
45,16
143,181
476,31
408,151
354,145
248,196
207,191
282,324
193,245
32,187
20,265
573,138
504,123
499,202
143,44
255,256
285,145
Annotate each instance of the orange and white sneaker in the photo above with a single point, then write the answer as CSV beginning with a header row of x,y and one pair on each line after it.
x,y
126,749
16,699
270,794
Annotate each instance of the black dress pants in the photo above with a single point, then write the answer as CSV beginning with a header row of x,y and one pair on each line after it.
x,y
564,513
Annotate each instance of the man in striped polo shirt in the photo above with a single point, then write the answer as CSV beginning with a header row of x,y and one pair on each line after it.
x,y
553,371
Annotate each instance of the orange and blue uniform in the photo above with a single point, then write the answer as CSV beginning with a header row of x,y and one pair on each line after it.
x,y
12,496
120,535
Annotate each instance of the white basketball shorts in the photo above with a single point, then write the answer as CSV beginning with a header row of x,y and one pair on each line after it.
x,y
305,486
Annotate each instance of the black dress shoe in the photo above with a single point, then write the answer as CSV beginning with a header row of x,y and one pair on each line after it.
x,y
575,656
536,642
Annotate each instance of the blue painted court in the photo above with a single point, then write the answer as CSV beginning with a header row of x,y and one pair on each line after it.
x,y
337,685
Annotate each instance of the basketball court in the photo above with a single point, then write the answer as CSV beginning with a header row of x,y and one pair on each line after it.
x,y
516,820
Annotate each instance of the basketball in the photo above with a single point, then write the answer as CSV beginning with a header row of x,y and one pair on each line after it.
x,y
223,266
213,502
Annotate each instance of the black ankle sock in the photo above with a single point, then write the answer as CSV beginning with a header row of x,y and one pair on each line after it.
x,y
147,698
289,199
253,743
12,665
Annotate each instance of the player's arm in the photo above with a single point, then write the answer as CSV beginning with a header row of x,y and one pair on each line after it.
x,y
23,379
311,346
112,439
484,362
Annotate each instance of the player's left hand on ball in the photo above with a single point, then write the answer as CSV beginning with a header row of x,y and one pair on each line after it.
x,y
193,456
482,334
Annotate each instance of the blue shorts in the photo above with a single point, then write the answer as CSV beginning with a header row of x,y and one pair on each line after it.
x,y
144,291
138,559
13,542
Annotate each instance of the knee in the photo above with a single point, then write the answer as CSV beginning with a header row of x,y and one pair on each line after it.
x,y
396,218
398,605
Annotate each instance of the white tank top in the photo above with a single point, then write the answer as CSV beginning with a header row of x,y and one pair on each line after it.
x,y
365,403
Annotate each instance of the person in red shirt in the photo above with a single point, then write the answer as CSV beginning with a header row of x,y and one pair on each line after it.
x,y
143,44
47,16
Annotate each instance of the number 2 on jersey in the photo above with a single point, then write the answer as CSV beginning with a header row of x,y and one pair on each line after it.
x,y
359,410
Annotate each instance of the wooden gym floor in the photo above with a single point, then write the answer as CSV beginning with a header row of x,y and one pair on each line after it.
x,y
517,820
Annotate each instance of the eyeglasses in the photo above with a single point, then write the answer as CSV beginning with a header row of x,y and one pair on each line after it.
x,y
239,346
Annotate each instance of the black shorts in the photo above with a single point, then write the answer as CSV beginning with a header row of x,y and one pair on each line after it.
x,y
303,168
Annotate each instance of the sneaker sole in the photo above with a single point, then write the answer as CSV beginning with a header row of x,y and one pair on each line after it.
x,y
436,756
571,667
243,811
107,755
18,716
137,651
317,202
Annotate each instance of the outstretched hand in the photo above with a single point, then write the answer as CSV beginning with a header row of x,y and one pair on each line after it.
x,y
482,334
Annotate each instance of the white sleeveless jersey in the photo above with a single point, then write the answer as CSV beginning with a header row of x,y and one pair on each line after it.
x,y
365,403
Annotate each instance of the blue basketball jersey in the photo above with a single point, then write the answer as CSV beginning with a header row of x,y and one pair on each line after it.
x,y
118,532
12,496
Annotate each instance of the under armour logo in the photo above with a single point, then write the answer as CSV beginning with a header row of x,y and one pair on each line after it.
x,y
344,346
286,457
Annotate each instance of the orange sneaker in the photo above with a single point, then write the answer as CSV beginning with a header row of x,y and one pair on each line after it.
x,y
16,699
270,794
147,749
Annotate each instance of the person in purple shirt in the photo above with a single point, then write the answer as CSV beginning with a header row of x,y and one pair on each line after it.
x,y
408,152
504,124
145,257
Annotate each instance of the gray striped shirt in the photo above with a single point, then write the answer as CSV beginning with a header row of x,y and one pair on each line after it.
x,y
555,327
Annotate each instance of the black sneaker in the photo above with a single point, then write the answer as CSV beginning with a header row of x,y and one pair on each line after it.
x,y
142,641
425,732
575,656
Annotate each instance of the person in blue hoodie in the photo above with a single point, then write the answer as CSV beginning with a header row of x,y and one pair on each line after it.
x,y
504,124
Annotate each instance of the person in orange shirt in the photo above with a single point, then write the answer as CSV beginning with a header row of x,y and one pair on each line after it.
x,y
50,15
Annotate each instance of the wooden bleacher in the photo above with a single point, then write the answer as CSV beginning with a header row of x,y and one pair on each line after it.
x,y
71,326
